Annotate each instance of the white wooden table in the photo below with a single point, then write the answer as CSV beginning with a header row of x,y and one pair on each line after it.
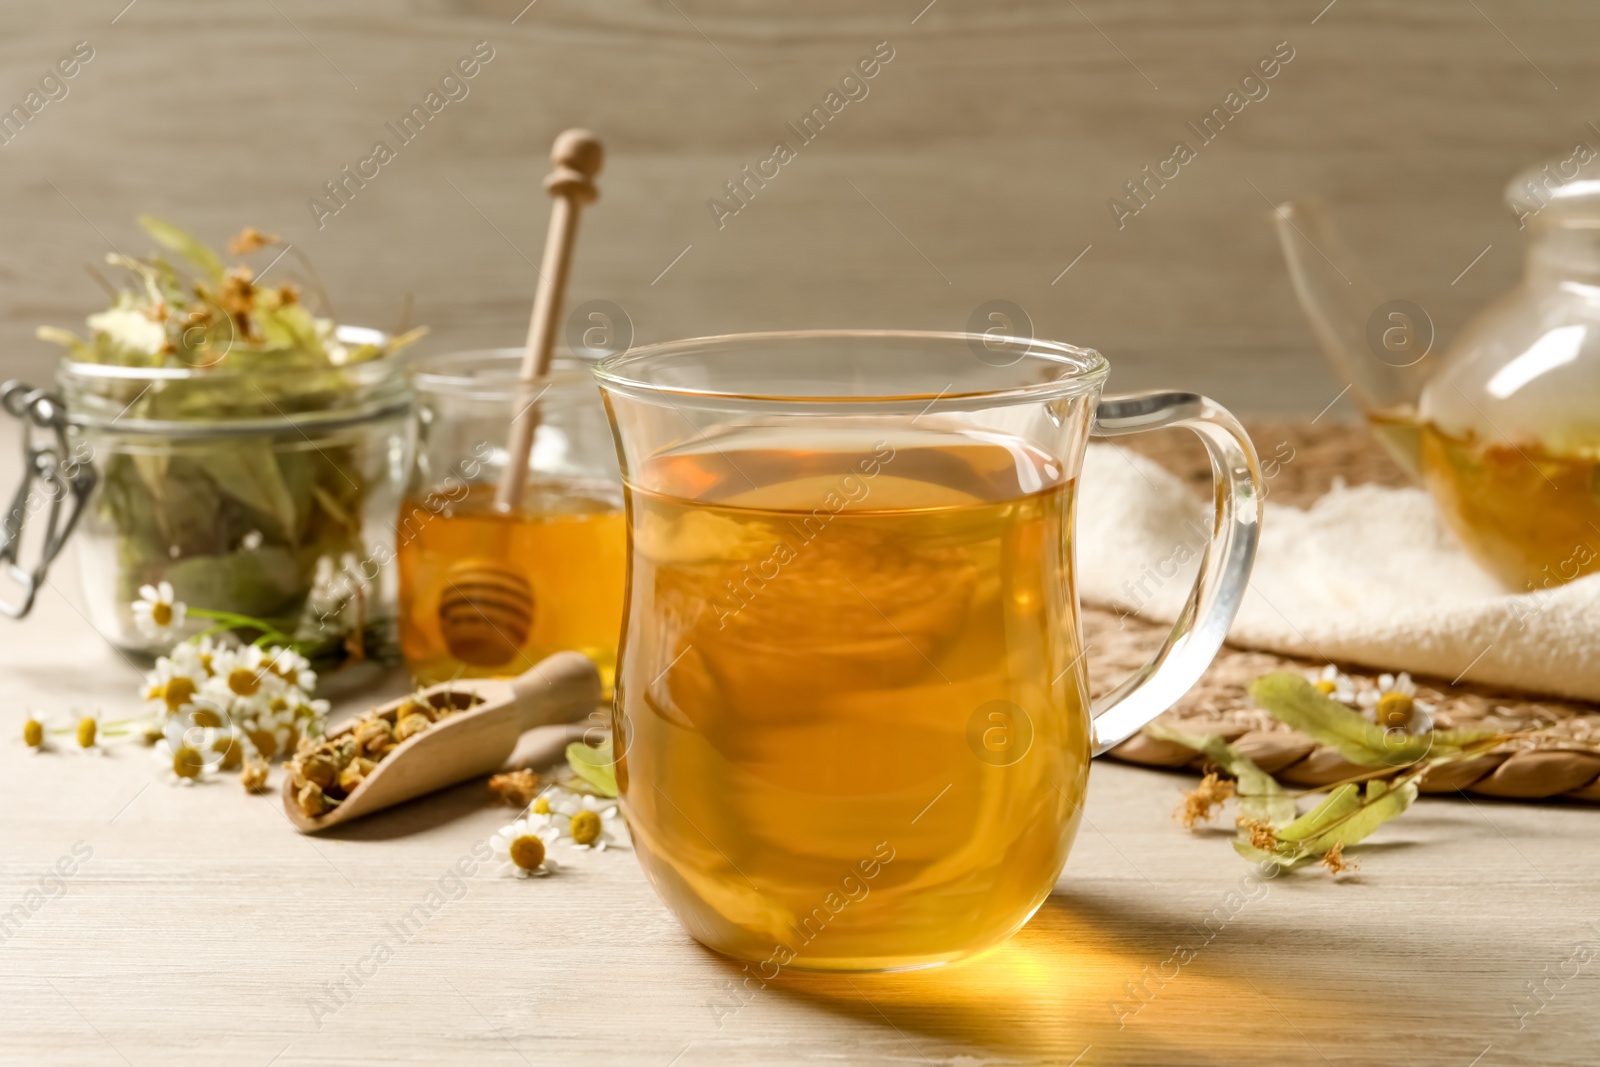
x,y
197,927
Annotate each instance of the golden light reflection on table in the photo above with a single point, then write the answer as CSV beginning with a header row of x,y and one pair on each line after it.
x,y
1062,985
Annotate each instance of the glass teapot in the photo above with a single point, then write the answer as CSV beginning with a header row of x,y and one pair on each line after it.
x,y
1504,429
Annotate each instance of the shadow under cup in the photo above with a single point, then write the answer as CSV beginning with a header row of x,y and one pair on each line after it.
x,y
851,705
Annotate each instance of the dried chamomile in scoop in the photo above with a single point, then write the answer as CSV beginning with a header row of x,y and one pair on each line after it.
x,y
324,771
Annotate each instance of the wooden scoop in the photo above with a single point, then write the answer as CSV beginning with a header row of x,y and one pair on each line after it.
x,y
468,744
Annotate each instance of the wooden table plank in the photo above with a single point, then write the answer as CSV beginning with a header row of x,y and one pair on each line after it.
x,y
203,930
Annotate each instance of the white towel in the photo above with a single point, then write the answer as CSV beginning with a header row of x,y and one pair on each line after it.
x,y
1368,575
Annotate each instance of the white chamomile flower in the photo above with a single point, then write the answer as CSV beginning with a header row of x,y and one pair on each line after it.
x,y
171,685
182,763
87,735
196,725
588,821
150,730
194,658
523,848
270,742
34,734
252,713
293,668
158,612
337,584
1386,684
276,724
199,714
242,674
1334,684
230,747
310,717
1393,704
269,732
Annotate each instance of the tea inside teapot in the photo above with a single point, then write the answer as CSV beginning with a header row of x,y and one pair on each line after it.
x,y
1504,430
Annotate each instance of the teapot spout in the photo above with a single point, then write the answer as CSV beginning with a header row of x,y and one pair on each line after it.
x,y
1375,346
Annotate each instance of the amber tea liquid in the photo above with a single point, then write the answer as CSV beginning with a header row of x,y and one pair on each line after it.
x,y
1528,515
851,701
489,594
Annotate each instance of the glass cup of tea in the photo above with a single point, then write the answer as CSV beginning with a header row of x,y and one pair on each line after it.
x,y
488,592
851,720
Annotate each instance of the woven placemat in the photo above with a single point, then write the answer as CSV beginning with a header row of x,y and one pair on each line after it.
x,y
1301,463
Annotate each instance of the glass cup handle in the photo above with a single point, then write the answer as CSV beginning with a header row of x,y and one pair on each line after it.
x,y
1224,569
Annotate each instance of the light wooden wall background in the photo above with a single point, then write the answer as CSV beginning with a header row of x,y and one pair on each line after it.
x,y
992,141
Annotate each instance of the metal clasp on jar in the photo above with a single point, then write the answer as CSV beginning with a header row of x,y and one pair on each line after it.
x,y
64,478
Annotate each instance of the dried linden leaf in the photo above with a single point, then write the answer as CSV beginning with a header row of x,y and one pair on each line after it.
x,y
1349,814
184,244
58,336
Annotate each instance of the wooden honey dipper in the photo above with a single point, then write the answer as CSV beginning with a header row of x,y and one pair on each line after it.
x,y
578,157
486,609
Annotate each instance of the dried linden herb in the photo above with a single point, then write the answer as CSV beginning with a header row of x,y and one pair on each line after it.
x,y
1270,829
1298,703
1346,816
1259,794
238,524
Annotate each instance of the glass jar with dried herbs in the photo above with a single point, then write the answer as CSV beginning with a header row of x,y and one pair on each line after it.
x,y
245,450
